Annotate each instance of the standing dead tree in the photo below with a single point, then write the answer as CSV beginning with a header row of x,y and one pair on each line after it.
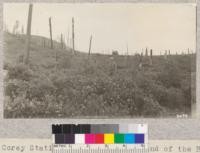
x,y
15,28
165,54
5,28
22,30
44,42
127,50
50,30
141,54
127,55
64,42
73,43
68,38
61,41
90,44
28,33
151,57
188,51
146,52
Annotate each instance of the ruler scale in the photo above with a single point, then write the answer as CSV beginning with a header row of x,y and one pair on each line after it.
x,y
113,150
100,138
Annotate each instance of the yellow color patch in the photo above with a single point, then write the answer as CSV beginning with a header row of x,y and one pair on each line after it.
x,y
108,138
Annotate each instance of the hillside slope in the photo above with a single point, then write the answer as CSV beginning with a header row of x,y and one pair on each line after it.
x,y
58,83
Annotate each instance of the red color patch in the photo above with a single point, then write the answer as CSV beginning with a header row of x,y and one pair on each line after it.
x,y
99,139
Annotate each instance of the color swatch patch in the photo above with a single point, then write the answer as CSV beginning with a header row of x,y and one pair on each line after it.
x,y
119,138
90,139
99,138
129,138
109,138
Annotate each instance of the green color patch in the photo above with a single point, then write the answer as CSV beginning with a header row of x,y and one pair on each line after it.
x,y
119,138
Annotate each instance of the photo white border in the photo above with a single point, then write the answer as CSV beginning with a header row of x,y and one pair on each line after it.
x,y
160,128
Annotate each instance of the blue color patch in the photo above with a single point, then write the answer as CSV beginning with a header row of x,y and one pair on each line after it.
x,y
129,138
139,138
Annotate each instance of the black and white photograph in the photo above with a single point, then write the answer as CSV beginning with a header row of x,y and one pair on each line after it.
x,y
99,60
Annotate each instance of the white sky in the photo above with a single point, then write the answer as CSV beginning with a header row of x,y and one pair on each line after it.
x,y
113,26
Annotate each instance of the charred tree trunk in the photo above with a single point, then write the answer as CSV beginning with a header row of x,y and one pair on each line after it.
x,y
73,43
50,30
165,54
28,33
61,41
44,43
146,52
151,57
90,44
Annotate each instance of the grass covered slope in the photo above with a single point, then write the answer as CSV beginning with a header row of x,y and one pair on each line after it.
x,y
99,85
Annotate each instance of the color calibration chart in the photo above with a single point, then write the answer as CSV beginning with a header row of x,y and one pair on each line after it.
x,y
100,138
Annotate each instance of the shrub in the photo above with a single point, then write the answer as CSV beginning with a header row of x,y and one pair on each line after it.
x,y
65,62
170,75
39,87
152,108
15,87
20,71
88,67
95,87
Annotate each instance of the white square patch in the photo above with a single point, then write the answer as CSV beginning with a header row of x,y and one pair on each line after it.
x,y
79,138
